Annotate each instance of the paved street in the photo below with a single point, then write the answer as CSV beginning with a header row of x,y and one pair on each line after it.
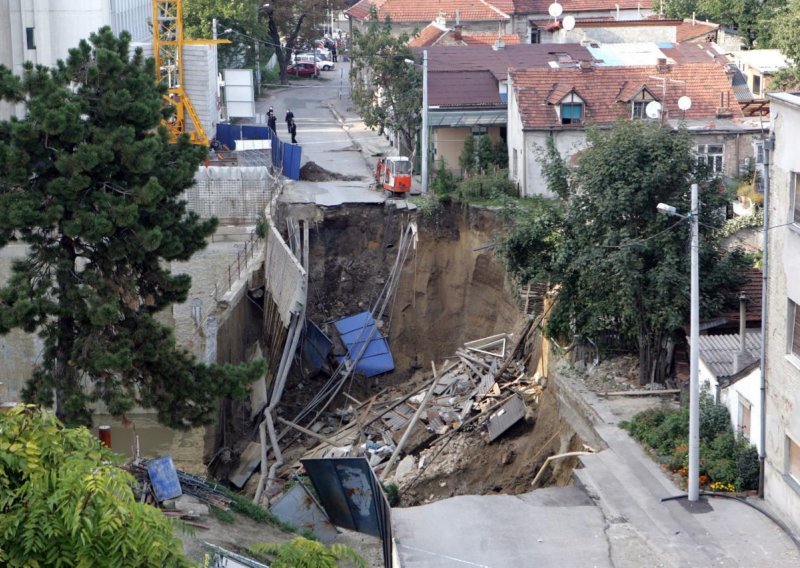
x,y
332,136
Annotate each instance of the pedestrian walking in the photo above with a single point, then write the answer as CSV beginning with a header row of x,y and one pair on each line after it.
x,y
293,131
272,122
289,119
333,53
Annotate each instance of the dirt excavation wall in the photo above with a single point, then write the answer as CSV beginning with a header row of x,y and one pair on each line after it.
x,y
448,293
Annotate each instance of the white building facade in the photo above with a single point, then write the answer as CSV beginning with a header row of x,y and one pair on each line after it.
x,y
782,370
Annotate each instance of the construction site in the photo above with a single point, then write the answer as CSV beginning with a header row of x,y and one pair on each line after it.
x,y
413,407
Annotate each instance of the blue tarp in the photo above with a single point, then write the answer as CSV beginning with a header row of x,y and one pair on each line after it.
x,y
354,332
164,478
284,155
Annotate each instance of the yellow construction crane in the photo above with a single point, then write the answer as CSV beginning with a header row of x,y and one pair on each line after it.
x,y
168,45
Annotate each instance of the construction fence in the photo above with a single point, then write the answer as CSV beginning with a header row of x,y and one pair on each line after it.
x,y
234,195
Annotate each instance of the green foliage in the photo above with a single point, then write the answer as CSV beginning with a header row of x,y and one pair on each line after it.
x,y
620,264
386,91
467,157
554,169
392,494
239,15
246,507
63,502
90,183
487,186
724,458
489,156
751,18
304,553
443,182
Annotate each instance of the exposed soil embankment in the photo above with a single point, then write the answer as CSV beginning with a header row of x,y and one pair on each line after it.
x,y
448,292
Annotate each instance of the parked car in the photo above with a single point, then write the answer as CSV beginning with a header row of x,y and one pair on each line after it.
x,y
302,69
311,58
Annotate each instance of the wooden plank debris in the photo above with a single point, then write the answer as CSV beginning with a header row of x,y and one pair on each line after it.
x,y
654,392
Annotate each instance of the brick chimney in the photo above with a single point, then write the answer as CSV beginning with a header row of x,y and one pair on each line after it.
x,y
457,32
661,65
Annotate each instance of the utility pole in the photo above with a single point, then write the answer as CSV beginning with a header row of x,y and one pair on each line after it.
x,y
425,121
694,384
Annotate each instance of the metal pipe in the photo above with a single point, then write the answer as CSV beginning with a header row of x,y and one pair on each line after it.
x,y
425,121
694,384
769,145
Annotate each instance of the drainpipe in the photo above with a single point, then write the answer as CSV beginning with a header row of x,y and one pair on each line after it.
x,y
769,145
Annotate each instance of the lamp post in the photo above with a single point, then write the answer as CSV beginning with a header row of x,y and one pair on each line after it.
x,y
694,337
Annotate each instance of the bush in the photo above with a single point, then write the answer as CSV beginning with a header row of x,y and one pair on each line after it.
x,y
726,460
488,186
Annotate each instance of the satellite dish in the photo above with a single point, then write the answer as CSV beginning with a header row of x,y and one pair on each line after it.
x,y
555,9
568,23
653,109
684,103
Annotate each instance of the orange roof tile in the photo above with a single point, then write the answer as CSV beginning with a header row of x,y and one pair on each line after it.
x,y
538,90
428,10
690,30
571,6
429,35
488,39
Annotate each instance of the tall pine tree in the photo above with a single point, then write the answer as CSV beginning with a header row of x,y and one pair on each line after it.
x,y
90,182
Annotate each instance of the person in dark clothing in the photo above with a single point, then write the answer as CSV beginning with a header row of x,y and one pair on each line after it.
x,y
272,122
293,131
333,53
289,119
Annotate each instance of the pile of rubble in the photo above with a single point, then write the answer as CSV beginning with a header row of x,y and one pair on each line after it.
x,y
484,385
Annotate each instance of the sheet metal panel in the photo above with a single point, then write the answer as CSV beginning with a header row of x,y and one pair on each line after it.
x,y
316,347
352,497
297,508
505,417
357,330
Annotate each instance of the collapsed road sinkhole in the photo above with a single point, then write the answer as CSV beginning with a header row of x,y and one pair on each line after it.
x,y
452,289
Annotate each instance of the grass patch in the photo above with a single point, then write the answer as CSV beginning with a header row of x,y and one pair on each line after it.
x,y
246,507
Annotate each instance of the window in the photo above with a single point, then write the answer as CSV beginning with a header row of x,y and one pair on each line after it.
x,y
639,104
571,113
534,34
757,85
795,185
711,155
792,459
743,419
794,329
29,38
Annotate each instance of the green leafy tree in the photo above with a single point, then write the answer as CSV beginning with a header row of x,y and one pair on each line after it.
x,y
63,502
304,553
785,29
90,183
386,90
486,154
467,157
241,16
620,265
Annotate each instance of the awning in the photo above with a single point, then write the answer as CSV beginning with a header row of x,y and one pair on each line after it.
x,y
459,118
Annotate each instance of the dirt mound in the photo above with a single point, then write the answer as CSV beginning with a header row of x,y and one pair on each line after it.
x,y
313,172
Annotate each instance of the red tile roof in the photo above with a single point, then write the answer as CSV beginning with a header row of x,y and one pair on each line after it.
x,y
429,35
463,88
571,6
428,10
435,34
488,39
752,289
689,30
604,91
518,56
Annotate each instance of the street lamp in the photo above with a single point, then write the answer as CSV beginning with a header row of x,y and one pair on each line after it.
x,y
694,337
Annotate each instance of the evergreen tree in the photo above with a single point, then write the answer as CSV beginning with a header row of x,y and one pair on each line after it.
x,y
467,157
90,182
